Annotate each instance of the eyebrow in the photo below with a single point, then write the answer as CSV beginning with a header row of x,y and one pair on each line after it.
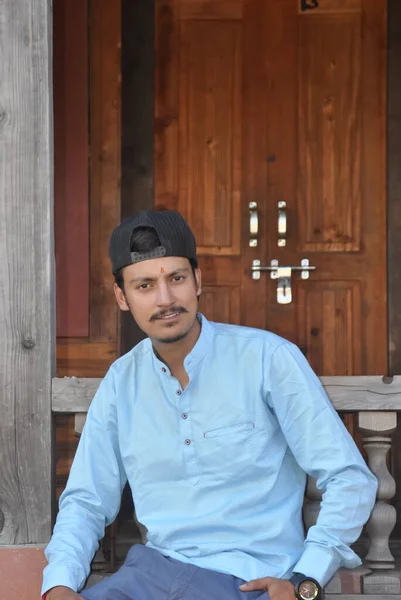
x,y
151,279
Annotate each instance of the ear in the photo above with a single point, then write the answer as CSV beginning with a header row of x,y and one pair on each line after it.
x,y
120,297
198,280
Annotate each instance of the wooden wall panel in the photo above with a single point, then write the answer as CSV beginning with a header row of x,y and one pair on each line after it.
x,y
329,326
105,144
210,9
329,150
66,446
83,358
221,304
210,133
90,73
333,6
71,213
166,104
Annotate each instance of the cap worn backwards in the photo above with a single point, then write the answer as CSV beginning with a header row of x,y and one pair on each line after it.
x,y
174,233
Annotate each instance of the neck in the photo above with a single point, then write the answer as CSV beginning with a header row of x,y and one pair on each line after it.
x,y
174,354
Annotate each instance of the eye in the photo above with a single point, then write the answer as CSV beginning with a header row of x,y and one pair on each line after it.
x,y
144,286
178,277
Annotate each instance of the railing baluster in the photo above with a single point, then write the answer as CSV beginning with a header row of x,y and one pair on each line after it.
x,y
377,428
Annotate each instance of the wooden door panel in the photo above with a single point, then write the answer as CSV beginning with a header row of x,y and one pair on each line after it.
x,y
329,326
329,133
209,133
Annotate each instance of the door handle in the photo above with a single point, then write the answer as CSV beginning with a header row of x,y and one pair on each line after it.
x,y
283,276
253,224
282,224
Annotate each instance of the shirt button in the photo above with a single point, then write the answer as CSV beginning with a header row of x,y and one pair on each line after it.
x,y
187,442
184,415
163,369
178,392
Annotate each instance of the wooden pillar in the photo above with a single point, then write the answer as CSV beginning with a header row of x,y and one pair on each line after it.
x,y
26,271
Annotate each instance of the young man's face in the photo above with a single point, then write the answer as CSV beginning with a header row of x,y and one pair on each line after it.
x,y
162,295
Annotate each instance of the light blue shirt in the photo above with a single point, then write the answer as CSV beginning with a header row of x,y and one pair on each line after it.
x,y
217,470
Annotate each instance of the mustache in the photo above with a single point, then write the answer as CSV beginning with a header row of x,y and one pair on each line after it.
x,y
167,311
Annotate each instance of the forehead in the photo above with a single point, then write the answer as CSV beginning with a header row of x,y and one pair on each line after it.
x,y
156,267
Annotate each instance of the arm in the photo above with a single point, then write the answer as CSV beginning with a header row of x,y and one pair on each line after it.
x,y
324,449
92,497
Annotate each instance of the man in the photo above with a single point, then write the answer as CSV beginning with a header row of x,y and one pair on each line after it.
x,y
215,427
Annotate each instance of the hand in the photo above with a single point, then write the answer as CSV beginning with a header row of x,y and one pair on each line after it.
x,y
60,592
278,589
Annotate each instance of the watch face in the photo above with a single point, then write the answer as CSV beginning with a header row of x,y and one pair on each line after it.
x,y
308,590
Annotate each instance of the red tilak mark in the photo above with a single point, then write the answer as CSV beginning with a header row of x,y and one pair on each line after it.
x,y
162,270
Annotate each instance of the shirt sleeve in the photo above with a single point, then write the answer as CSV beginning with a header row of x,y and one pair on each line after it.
x,y
325,450
92,497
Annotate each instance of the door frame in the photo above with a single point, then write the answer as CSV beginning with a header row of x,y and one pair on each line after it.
x,y
394,185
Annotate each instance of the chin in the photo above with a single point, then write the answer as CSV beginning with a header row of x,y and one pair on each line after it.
x,y
172,333
172,339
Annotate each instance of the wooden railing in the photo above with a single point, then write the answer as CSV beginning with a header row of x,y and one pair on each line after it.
x,y
376,400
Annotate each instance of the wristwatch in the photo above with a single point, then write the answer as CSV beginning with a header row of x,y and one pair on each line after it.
x,y
306,588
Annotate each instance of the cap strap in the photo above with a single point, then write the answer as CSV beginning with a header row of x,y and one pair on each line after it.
x,y
156,253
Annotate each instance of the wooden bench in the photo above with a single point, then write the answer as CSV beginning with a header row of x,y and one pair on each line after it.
x,y
375,400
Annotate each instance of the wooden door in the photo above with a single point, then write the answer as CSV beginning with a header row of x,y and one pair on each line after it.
x,y
261,101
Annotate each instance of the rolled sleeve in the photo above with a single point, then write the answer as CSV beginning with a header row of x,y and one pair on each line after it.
x,y
92,497
325,450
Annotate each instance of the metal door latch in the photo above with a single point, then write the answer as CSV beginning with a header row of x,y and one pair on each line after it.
x,y
283,276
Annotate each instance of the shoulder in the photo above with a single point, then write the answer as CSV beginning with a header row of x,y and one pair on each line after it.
x,y
246,335
132,359
119,372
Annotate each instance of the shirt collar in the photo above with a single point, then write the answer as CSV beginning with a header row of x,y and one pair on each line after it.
x,y
202,345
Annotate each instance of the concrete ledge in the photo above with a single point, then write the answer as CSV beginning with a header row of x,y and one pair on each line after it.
x,y
21,570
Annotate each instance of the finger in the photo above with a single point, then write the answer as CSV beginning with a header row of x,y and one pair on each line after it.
x,y
256,584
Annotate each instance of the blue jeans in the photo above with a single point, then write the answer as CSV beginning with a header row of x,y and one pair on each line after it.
x,y
148,575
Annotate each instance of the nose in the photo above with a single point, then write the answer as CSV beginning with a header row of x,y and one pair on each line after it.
x,y
165,296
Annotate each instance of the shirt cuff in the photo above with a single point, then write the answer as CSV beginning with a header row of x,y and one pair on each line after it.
x,y
319,563
62,575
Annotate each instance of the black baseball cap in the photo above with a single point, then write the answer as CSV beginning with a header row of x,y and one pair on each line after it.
x,y
174,233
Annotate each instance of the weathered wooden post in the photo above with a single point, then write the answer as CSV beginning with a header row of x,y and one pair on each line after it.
x,y
26,273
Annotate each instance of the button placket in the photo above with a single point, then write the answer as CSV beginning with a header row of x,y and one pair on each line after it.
x,y
187,440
